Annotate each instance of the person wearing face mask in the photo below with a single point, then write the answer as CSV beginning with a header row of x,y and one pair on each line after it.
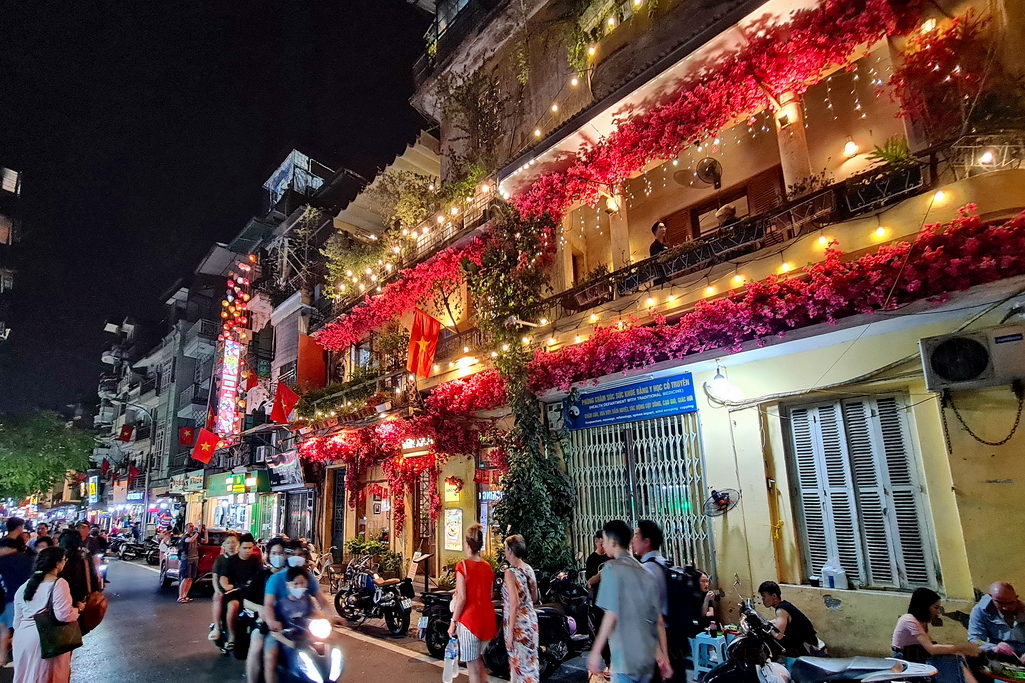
x,y
277,562
297,608
295,552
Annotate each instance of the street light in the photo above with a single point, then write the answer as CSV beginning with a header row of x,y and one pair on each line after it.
x,y
149,459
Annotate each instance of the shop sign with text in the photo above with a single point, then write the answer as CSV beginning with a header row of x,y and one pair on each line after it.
x,y
653,398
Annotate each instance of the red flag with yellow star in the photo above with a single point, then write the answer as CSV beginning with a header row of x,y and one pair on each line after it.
x,y
205,446
423,343
186,435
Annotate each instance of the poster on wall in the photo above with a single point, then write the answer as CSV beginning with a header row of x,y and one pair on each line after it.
x,y
454,529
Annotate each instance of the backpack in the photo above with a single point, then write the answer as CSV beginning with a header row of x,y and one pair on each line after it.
x,y
684,597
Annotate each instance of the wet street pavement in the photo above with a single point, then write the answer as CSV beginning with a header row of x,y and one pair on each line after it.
x,y
147,636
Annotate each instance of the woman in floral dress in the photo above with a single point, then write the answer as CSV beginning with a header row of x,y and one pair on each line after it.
x,y
519,593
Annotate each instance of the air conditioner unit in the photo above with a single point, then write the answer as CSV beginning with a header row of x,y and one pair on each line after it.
x,y
973,360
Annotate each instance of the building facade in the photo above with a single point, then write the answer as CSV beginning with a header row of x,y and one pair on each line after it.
x,y
10,231
788,183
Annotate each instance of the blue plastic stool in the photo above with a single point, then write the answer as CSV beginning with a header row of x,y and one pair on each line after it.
x,y
707,652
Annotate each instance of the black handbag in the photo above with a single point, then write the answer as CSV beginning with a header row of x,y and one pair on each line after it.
x,y
56,637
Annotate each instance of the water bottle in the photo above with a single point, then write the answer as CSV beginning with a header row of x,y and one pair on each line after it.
x,y
451,661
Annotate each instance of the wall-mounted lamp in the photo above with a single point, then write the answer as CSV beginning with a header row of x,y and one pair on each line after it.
x,y
850,148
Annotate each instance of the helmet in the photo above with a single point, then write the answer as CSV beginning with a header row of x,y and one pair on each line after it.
x,y
572,625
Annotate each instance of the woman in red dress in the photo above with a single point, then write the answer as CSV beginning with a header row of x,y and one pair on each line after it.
x,y
473,615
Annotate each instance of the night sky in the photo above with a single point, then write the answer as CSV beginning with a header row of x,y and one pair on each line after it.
x,y
144,132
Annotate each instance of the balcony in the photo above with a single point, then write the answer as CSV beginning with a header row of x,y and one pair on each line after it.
x,y
201,339
193,400
143,432
147,393
851,198
474,214
108,386
357,402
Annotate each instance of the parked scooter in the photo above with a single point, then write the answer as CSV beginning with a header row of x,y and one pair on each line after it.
x,y
435,619
749,659
555,643
368,596
564,593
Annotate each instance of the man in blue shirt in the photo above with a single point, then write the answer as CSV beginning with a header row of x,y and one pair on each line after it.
x,y
997,623
295,609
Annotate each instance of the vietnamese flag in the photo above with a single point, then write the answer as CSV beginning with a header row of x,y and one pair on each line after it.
x,y
186,435
284,402
205,446
423,343
133,474
126,433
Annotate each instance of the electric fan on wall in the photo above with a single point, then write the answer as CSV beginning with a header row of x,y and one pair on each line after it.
x,y
721,501
709,171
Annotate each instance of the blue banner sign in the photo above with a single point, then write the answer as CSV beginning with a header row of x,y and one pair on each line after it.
x,y
672,395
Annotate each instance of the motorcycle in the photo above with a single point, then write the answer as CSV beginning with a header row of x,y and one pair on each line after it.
x,y
565,594
245,624
555,643
152,551
749,660
310,658
129,550
435,619
368,596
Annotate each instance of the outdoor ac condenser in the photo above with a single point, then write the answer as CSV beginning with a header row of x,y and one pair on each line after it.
x,y
973,360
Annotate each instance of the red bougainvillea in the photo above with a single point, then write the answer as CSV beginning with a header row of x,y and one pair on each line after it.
x,y
941,259
787,57
447,423
413,287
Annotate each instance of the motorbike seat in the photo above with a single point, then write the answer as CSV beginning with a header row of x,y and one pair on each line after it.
x,y
816,669
386,582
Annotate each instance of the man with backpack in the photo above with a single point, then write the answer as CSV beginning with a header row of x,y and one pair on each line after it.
x,y
677,590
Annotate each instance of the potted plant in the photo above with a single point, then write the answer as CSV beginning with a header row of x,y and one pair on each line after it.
x,y
895,173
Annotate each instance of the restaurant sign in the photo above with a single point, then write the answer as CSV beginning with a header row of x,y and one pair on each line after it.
x,y
660,397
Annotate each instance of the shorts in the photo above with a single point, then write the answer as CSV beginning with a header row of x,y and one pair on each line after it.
x,y
470,646
189,569
7,616
626,678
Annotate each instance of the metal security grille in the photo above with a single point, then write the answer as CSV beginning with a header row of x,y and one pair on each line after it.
x,y
650,469
299,514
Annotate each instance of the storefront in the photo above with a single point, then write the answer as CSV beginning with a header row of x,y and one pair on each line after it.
x,y
232,500
293,501
489,493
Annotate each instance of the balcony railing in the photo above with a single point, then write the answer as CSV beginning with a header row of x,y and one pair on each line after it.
x,y
860,194
389,386
202,331
456,344
473,214
193,395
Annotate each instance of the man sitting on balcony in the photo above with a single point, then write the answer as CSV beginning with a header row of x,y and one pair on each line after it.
x,y
659,245
727,215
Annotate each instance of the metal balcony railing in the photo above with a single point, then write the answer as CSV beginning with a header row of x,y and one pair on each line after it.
x,y
193,395
471,341
205,330
860,194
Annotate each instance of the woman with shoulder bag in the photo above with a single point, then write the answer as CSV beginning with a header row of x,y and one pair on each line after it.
x,y
473,615
80,573
43,591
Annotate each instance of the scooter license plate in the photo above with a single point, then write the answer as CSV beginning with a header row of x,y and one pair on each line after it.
x,y
407,603
421,623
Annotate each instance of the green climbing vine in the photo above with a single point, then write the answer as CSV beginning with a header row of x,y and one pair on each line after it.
x,y
538,496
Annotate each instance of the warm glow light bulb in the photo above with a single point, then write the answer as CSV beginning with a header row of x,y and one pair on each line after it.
x,y
850,149
987,157
537,132
591,50
505,347
555,107
880,232
574,81
543,321
785,268
650,302
737,279
594,317
526,340
551,341
940,197
578,340
822,240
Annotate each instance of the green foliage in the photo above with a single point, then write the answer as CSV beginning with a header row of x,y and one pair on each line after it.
x,y
495,560
394,341
357,546
475,107
812,183
348,257
599,272
37,451
356,389
405,199
538,496
894,152
391,563
447,581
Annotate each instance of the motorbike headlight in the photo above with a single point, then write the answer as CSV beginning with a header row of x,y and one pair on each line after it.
x,y
336,665
320,628
309,668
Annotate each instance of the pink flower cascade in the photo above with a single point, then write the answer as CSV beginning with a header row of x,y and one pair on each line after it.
x,y
411,289
786,57
941,259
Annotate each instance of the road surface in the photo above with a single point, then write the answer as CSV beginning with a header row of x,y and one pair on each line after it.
x,y
147,636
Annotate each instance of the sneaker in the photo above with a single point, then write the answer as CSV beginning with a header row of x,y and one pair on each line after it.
x,y
213,635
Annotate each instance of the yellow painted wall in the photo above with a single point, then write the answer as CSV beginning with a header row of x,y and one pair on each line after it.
x,y
462,467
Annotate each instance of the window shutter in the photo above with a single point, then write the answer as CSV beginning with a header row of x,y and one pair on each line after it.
x,y
809,489
862,443
914,556
840,490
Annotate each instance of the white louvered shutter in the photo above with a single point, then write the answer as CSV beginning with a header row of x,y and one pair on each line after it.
x,y
811,492
915,556
840,488
864,445
830,518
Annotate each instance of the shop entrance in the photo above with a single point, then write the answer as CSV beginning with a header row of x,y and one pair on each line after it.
x,y
651,469
423,528
299,514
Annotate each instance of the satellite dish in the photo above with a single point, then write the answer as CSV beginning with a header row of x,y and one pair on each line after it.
x,y
709,171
